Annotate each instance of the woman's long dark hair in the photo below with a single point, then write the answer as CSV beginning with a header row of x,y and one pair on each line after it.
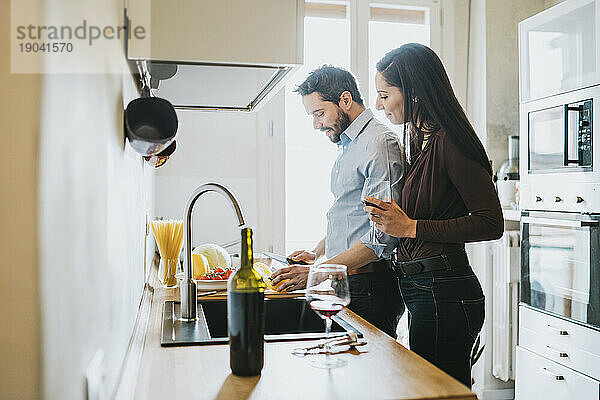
x,y
429,101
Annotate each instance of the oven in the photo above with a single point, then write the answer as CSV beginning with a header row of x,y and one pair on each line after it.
x,y
560,268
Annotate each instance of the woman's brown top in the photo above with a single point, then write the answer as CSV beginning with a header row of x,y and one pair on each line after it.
x,y
453,199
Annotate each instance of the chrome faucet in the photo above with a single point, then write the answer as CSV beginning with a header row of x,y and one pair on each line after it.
x,y
188,289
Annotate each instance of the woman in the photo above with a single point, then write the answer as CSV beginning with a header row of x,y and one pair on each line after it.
x,y
448,199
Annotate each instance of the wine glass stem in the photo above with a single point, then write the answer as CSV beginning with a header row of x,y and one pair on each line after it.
x,y
373,233
327,332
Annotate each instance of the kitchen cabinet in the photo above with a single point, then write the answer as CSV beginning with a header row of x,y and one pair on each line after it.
x,y
564,342
540,378
263,32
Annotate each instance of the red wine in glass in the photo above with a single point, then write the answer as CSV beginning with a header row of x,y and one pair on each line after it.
x,y
327,293
326,308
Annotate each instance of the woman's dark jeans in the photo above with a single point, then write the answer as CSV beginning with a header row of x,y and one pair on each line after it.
x,y
375,297
446,312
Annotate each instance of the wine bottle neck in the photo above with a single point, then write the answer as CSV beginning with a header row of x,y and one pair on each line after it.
x,y
247,257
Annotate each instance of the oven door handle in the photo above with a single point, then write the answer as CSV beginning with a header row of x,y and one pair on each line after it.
x,y
566,159
559,222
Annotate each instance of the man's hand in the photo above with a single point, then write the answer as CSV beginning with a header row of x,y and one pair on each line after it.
x,y
391,219
303,255
297,275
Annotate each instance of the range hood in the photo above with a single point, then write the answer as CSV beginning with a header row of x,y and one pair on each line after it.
x,y
208,87
229,55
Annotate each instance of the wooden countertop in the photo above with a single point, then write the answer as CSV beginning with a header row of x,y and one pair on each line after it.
x,y
383,369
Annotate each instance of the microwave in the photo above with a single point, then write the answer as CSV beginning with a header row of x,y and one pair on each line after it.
x,y
560,138
560,153
560,265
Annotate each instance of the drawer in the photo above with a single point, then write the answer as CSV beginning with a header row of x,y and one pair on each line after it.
x,y
567,343
540,378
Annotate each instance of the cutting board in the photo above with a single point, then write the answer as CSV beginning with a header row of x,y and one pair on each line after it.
x,y
222,295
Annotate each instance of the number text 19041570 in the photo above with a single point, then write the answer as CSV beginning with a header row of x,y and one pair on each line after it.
x,y
56,47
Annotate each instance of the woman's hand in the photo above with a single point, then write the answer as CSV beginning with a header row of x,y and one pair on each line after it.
x,y
391,219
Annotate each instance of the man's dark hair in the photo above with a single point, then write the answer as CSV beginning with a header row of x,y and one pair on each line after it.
x,y
330,82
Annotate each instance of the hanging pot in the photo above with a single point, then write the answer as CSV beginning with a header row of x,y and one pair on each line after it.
x,y
150,124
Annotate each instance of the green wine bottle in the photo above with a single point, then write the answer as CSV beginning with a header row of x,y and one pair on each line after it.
x,y
246,314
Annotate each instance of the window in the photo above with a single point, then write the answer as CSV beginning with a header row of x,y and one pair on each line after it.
x,y
353,35
309,153
390,27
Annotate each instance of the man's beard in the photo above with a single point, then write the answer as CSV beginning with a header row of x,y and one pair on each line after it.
x,y
342,122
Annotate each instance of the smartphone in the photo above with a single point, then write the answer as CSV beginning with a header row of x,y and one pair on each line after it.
x,y
368,203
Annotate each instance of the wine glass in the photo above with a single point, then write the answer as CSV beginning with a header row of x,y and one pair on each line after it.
x,y
327,293
380,190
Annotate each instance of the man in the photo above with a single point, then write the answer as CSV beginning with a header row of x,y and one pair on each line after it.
x,y
368,155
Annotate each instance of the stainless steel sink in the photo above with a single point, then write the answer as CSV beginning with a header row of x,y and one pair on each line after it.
x,y
285,319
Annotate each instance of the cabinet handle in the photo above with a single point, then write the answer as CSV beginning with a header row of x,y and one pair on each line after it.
x,y
558,331
557,352
552,374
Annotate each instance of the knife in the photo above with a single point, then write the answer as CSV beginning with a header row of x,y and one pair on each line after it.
x,y
283,260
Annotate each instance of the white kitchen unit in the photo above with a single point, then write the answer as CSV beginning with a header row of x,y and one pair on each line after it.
x,y
540,378
561,341
559,93
556,359
263,32
193,49
558,355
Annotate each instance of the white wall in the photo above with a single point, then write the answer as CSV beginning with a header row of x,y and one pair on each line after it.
x,y
211,147
271,173
94,195
455,31
502,100
231,148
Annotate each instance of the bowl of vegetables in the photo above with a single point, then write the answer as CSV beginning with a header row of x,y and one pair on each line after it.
x,y
211,267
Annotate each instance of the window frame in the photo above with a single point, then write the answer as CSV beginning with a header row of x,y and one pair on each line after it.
x,y
359,30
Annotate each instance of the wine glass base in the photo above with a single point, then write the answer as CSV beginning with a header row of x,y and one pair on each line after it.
x,y
328,362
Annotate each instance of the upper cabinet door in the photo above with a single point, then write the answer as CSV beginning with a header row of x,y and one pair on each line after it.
x,y
262,32
558,50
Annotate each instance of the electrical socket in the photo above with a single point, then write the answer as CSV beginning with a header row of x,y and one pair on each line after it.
x,y
95,376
